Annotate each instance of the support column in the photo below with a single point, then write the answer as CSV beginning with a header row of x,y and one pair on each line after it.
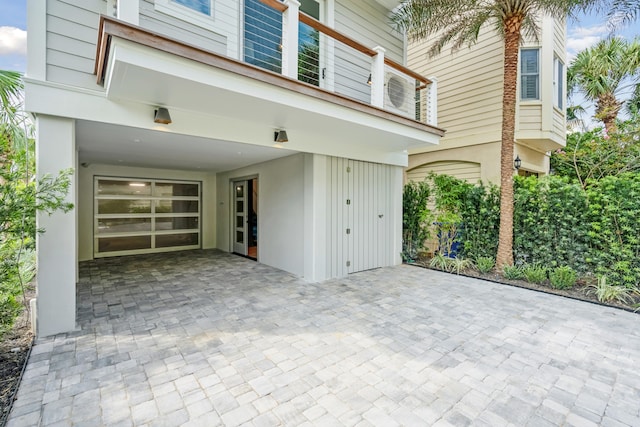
x,y
315,217
56,247
128,11
377,78
290,39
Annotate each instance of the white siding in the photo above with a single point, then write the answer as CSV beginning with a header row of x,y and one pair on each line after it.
x,y
212,39
361,210
72,33
368,23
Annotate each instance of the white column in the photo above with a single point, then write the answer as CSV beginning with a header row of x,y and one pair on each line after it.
x,y
377,78
57,255
128,11
432,102
290,39
37,39
315,218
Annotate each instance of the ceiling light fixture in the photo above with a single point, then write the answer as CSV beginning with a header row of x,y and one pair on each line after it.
x,y
162,116
280,136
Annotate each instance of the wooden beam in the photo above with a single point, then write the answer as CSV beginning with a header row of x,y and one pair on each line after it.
x,y
275,4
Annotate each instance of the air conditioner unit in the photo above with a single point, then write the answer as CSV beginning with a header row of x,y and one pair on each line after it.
x,y
399,94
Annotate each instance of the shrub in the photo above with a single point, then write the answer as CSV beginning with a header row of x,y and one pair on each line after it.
x,y
535,273
513,272
440,262
415,219
562,277
485,264
459,264
606,292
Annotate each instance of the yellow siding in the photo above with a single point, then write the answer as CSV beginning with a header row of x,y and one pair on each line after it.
x,y
530,117
469,85
467,171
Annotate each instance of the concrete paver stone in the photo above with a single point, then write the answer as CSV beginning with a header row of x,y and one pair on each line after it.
x,y
204,338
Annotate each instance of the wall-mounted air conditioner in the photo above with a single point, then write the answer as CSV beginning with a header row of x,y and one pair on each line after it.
x,y
399,94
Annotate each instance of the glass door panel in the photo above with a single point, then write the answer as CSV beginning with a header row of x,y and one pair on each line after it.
x,y
240,214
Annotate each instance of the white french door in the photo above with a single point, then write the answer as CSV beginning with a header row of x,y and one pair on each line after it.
x,y
240,217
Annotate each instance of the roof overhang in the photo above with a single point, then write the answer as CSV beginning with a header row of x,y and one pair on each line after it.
x,y
136,65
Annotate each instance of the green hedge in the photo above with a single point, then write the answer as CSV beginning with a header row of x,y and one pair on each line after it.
x,y
556,222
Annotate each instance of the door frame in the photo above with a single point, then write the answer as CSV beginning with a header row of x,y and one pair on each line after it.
x,y
232,213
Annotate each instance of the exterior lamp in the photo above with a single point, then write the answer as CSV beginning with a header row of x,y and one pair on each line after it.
x,y
369,80
280,136
517,163
162,116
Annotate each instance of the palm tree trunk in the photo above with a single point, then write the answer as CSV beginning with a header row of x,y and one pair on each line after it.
x,y
511,47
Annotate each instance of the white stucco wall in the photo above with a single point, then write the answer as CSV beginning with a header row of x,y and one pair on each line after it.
x,y
280,211
85,200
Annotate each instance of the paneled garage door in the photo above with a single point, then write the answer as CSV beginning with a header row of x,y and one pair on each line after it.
x,y
133,216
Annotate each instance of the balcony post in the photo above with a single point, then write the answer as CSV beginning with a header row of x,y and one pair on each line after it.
x,y
432,102
127,11
377,78
290,39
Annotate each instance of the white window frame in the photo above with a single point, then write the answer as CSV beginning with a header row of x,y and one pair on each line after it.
x,y
558,83
169,7
537,73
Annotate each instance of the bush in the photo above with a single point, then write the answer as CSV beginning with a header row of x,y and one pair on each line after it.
x,y
535,273
416,218
606,292
562,277
485,264
513,272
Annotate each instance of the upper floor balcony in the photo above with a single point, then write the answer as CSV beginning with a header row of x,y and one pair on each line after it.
x,y
335,84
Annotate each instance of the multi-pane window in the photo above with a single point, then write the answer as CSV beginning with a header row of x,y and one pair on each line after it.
x,y
558,83
144,215
529,74
202,6
263,39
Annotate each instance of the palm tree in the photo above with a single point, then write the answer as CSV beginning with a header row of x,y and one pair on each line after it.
x,y
600,73
11,117
621,12
458,23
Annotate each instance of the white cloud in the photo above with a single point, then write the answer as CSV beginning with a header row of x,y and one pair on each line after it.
x,y
580,38
13,41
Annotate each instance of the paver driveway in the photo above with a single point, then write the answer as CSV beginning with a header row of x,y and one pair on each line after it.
x,y
206,338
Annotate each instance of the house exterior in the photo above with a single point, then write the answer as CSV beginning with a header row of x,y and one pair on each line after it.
x,y
171,114
470,105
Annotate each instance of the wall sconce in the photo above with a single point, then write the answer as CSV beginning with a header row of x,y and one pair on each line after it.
x,y
162,116
369,80
280,136
517,163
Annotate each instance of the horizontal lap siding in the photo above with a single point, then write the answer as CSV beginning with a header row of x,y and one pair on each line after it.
x,y
368,23
187,32
467,171
530,117
469,84
72,33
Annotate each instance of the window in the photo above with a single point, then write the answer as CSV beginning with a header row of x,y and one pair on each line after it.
x,y
262,39
558,83
202,6
198,12
529,74
145,215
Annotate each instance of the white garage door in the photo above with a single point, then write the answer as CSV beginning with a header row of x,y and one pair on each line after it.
x,y
133,216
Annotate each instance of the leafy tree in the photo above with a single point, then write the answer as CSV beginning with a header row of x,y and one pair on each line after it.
x,y
21,196
458,23
601,72
595,154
